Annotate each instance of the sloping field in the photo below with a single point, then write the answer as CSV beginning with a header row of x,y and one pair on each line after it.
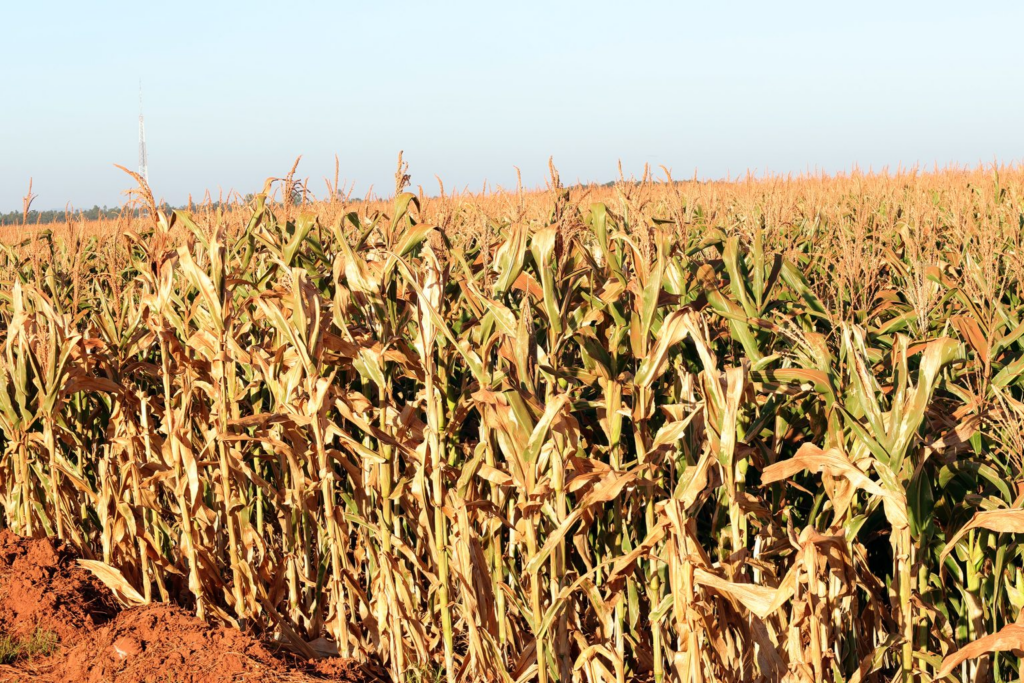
x,y
753,431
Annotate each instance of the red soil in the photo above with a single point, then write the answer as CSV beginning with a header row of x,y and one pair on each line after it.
x,y
41,587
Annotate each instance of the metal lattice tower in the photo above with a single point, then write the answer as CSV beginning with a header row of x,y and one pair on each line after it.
x,y
143,162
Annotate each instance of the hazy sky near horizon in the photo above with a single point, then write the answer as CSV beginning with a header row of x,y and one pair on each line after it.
x,y
234,91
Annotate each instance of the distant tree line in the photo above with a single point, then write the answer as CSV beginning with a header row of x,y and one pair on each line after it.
x,y
35,217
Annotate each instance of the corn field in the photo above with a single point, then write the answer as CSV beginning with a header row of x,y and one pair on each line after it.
x,y
769,430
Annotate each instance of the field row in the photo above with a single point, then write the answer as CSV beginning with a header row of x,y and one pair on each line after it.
x,y
752,431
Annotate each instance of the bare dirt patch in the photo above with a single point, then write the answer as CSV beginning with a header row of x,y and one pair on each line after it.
x,y
44,591
42,588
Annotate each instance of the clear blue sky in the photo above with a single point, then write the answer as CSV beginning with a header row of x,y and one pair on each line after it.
x,y
234,91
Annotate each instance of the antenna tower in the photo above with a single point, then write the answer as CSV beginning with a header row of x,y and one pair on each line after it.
x,y
143,163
